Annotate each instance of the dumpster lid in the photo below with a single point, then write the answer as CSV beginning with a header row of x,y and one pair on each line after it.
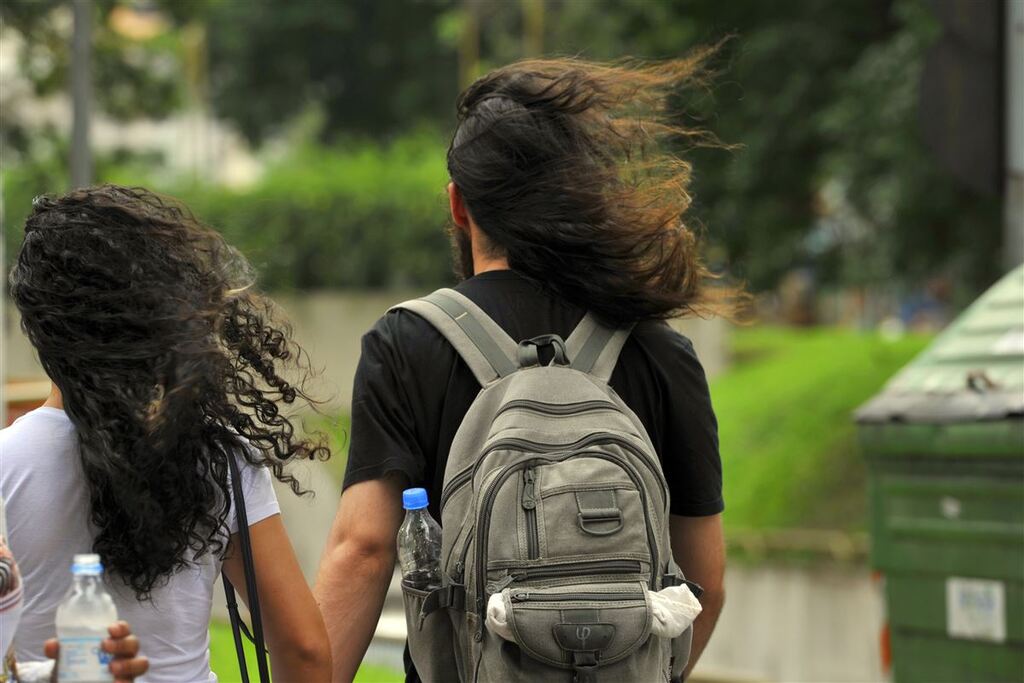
x,y
973,371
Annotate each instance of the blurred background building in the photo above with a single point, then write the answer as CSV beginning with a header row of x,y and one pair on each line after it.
x,y
876,189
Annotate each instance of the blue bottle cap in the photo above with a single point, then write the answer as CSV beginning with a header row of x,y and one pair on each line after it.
x,y
87,565
414,499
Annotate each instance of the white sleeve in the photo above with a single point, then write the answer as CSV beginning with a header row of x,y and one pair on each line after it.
x,y
260,499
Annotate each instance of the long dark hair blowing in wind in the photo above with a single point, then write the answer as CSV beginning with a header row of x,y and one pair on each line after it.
x,y
169,363
566,167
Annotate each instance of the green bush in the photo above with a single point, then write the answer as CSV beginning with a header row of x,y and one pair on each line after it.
x,y
363,216
358,215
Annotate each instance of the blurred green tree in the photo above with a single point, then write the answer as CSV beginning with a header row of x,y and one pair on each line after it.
x,y
822,100
372,68
137,54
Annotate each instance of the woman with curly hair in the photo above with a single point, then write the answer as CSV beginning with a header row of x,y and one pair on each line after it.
x,y
165,365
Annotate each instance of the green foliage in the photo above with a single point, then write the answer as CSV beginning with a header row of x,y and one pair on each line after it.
x,y
789,453
821,98
141,75
904,215
224,661
44,170
372,67
360,215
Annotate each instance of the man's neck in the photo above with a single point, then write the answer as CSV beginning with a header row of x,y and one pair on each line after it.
x,y
484,259
489,265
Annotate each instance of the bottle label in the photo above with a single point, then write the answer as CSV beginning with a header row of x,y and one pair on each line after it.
x,y
82,659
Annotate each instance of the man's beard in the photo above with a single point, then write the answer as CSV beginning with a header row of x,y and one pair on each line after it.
x,y
462,253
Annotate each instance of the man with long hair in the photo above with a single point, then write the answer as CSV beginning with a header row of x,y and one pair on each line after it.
x,y
563,200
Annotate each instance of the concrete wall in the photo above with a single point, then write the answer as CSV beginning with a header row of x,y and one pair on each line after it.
x,y
797,624
329,326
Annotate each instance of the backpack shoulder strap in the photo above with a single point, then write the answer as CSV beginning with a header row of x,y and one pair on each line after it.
x,y
594,348
483,345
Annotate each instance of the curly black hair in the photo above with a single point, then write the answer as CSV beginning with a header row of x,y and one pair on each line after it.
x,y
169,362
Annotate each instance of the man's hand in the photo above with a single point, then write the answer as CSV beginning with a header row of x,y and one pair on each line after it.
x,y
356,569
699,549
126,665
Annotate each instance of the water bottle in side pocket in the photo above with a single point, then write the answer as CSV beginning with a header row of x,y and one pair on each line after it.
x,y
419,543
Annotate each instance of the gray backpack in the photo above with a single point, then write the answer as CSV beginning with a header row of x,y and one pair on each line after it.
x,y
553,498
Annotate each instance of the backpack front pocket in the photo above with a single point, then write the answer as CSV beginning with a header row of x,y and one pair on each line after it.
x,y
560,625
584,631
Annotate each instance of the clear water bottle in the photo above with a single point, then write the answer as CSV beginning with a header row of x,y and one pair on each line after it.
x,y
82,621
419,543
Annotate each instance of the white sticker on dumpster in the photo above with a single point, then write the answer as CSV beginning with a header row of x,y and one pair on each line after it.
x,y
976,609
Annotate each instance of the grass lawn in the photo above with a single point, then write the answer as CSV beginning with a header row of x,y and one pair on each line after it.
x,y
789,449
225,664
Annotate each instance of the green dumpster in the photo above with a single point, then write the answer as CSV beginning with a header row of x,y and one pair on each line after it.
x,y
944,442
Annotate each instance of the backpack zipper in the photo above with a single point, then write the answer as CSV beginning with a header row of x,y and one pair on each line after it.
x,y
590,567
455,484
527,596
556,409
579,444
530,513
587,568
462,477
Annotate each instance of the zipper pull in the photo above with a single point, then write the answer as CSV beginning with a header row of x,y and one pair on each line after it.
x,y
505,582
460,571
529,492
519,596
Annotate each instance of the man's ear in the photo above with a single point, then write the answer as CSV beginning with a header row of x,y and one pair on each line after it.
x,y
460,214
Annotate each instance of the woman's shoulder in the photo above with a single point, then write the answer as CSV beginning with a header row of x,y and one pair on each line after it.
x,y
37,437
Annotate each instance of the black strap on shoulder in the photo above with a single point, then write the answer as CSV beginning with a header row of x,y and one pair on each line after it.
x,y
237,625
676,580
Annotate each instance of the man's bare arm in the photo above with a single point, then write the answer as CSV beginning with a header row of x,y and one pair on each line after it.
x,y
699,549
356,568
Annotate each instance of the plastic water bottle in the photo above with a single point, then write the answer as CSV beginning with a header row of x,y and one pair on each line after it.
x,y
419,543
82,621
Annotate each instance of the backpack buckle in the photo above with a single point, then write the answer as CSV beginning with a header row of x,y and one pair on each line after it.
x,y
529,352
584,667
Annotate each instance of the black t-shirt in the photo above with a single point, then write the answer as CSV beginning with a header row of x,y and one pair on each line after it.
x,y
412,391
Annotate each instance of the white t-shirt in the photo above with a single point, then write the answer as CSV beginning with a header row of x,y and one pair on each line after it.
x,y
47,502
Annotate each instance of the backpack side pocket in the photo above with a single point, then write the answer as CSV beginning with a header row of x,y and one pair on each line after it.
x,y
430,636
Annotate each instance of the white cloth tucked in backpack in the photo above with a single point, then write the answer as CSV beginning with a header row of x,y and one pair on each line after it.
x,y
497,618
673,609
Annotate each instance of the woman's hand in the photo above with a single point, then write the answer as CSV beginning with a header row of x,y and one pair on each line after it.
x,y
126,664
